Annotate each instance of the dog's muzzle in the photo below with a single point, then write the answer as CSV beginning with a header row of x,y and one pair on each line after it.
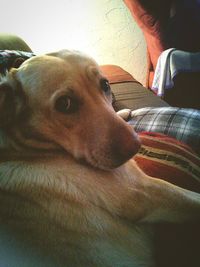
x,y
114,149
124,146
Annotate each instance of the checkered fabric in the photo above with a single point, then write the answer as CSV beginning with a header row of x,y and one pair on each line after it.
x,y
9,57
180,123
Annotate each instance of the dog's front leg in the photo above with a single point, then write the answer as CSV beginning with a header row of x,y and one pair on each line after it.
x,y
149,199
170,203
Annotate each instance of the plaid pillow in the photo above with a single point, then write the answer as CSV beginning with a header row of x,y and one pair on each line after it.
x,y
12,58
180,123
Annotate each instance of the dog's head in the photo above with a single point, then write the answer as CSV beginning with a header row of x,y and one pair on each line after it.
x,y
63,100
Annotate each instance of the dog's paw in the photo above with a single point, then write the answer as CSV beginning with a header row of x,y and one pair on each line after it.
x,y
125,114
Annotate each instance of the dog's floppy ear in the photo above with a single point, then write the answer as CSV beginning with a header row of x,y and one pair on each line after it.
x,y
10,98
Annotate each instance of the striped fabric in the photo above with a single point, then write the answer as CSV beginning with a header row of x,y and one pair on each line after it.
x,y
165,157
180,123
9,58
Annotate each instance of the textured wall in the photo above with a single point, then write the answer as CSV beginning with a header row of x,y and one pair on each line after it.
x,y
102,28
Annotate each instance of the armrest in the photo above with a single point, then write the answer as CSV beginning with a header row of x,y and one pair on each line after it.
x,y
116,74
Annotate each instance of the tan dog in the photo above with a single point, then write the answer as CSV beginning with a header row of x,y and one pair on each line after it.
x,y
70,194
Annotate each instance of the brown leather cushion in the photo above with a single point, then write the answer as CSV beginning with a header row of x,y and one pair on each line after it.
x,y
128,92
116,74
133,95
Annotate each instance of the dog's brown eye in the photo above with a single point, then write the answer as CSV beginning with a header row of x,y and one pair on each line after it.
x,y
65,104
105,86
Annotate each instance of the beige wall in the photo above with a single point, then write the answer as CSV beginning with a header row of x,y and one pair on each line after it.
x,y
102,28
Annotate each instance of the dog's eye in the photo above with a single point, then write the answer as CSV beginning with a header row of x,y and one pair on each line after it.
x,y
105,86
65,104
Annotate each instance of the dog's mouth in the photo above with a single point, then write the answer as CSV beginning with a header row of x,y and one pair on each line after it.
x,y
114,155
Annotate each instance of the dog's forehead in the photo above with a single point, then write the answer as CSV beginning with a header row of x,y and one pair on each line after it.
x,y
82,61
40,65
61,64
40,71
55,68
44,76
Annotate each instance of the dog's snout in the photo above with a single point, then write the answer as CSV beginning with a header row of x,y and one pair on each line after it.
x,y
125,144
118,143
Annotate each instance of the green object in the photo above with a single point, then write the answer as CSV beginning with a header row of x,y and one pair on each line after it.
x,y
13,42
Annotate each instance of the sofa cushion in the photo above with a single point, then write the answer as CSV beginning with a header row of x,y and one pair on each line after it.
x,y
128,92
182,124
133,95
164,157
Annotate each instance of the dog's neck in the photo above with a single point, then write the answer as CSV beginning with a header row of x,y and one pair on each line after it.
x,y
17,146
